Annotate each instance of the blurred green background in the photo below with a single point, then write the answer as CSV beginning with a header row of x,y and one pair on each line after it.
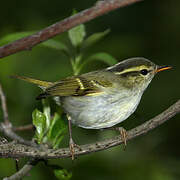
x,y
149,29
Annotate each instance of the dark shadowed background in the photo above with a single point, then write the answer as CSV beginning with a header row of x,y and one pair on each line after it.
x,y
150,29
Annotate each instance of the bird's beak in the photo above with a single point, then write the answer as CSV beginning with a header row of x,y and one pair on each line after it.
x,y
162,68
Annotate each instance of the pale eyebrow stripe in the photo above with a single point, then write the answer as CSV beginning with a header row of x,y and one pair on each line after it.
x,y
133,69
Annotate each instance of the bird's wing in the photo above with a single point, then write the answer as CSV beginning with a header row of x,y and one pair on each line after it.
x,y
75,86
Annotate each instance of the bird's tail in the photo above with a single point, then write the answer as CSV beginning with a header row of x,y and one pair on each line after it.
x,y
41,84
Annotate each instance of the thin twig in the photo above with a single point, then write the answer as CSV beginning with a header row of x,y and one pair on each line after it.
x,y
6,126
22,172
4,106
100,8
7,131
17,167
12,150
24,128
16,164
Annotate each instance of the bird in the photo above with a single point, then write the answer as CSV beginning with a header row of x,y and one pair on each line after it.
x,y
103,98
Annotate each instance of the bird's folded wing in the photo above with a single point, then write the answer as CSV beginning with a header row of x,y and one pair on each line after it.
x,y
74,86
89,84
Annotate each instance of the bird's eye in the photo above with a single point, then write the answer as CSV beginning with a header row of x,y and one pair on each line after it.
x,y
144,71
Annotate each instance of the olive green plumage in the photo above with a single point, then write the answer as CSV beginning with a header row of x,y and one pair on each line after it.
x,y
102,98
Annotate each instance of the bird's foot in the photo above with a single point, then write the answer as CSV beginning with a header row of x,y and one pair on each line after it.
x,y
72,147
123,134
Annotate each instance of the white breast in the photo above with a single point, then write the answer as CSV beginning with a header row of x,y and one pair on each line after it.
x,y
96,112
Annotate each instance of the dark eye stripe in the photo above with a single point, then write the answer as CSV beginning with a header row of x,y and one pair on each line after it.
x,y
135,73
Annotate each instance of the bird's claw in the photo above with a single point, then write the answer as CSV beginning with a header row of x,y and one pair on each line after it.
x,y
72,147
123,134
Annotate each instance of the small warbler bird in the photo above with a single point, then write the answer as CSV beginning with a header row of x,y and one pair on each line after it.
x,y
103,98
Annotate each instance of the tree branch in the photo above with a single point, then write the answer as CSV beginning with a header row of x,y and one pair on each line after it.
x,y
100,8
23,171
13,150
7,131
6,126
24,128
4,106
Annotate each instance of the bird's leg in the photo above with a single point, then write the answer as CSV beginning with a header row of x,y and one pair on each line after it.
x,y
122,132
72,145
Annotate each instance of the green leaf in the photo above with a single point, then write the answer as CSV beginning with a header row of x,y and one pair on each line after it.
x,y
94,38
104,57
56,131
39,121
62,174
54,44
77,34
15,36
47,112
